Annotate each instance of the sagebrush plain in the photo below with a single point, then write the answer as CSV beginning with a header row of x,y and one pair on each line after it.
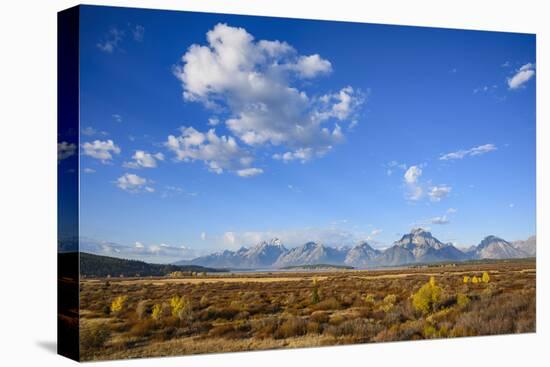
x,y
206,313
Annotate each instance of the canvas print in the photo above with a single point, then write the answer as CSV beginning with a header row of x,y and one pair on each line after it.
x,y
239,183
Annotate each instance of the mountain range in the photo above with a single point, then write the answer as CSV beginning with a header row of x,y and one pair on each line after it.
x,y
528,246
418,246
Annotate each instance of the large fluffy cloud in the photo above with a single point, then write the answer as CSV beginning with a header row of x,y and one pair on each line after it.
x,y
254,83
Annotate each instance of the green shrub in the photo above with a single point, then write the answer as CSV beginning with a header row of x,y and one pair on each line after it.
x,y
315,295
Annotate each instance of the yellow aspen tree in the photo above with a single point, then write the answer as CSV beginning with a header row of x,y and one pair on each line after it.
x,y
118,304
156,312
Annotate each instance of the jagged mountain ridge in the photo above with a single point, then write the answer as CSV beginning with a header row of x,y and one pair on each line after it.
x,y
529,246
418,246
362,255
425,248
492,247
311,253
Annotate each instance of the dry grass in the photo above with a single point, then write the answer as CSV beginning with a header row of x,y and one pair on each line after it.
x,y
275,310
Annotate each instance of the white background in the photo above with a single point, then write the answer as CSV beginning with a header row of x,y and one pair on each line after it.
x,y
28,182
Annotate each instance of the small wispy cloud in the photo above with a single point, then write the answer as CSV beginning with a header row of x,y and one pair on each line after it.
x,y
134,183
439,192
393,165
375,232
294,188
459,154
90,131
440,220
111,41
138,32
139,250
249,172
522,76
486,89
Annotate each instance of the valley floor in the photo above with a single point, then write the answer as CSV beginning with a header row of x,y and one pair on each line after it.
x,y
256,311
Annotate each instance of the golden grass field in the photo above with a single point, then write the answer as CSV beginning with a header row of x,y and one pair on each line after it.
x,y
145,317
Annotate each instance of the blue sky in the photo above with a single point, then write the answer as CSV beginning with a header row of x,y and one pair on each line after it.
x,y
205,131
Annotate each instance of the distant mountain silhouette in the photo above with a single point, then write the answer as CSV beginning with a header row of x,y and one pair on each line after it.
x,y
103,266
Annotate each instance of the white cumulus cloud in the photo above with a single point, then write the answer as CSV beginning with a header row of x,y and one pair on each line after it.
x,y
254,82
412,174
101,150
111,40
65,150
437,193
219,153
249,172
311,66
440,220
142,159
414,190
522,76
134,183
